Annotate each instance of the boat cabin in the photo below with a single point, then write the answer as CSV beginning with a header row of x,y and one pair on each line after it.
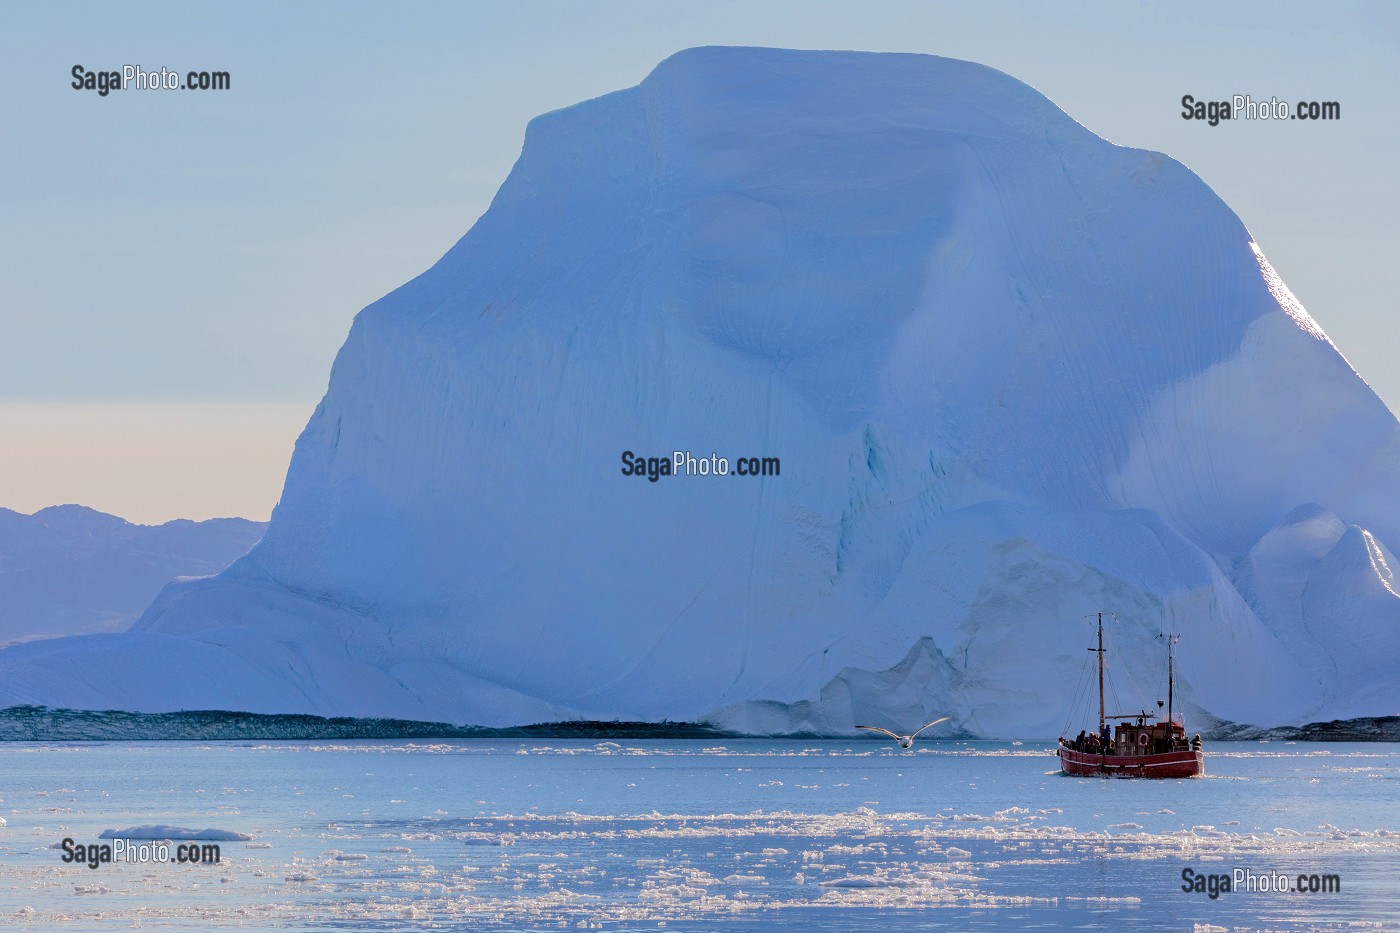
x,y
1141,737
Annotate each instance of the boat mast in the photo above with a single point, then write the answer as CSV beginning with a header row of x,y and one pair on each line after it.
x,y
1171,675
1099,649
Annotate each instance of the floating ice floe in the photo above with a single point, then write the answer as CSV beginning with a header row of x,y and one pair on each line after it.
x,y
488,840
160,831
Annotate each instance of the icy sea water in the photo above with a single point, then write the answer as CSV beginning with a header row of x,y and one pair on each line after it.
x,y
695,835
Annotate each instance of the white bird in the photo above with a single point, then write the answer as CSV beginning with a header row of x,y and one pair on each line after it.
x,y
905,741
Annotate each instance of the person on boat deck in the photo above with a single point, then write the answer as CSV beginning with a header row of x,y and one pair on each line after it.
x,y
1079,742
1105,736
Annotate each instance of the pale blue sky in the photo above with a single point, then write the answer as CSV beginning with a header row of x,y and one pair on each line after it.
x,y
181,248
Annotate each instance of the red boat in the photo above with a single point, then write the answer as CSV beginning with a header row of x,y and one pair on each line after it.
x,y
1136,747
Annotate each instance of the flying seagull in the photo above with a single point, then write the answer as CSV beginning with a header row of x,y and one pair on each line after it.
x,y
905,741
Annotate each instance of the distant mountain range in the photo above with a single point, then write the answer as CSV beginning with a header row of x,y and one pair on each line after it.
x,y
69,569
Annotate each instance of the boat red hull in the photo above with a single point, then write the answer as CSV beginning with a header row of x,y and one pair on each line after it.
x,y
1179,764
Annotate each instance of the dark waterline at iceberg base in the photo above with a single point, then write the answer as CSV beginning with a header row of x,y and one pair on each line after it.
x,y
41,724
697,835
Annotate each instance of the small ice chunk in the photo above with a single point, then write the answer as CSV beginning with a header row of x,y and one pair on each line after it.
x,y
854,881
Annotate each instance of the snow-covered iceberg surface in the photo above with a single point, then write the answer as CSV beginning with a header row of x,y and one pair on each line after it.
x,y
1014,374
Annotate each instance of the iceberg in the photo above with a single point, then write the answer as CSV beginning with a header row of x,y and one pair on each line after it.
x,y
1014,375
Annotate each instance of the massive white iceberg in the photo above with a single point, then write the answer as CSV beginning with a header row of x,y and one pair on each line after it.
x,y
1015,375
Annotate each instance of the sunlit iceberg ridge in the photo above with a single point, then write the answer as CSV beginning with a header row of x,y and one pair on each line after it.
x,y
1014,374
